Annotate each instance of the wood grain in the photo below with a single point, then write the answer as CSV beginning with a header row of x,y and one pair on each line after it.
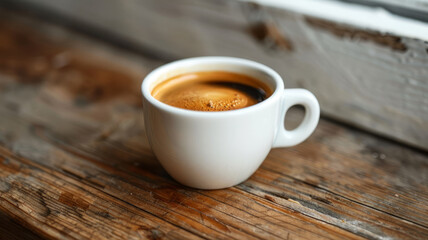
x,y
375,81
75,162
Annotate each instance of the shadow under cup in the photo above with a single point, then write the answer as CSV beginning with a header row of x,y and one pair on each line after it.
x,y
212,150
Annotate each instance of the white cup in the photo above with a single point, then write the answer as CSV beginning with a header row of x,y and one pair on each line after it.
x,y
213,150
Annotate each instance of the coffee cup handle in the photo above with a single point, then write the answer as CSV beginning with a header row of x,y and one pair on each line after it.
x,y
291,97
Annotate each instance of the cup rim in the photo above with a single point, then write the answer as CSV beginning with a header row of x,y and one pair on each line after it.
x,y
156,73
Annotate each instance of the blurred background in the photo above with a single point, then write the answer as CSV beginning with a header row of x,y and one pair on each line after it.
x,y
365,60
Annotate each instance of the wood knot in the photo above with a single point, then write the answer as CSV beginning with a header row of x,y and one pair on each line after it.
x,y
270,36
73,201
263,29
270,198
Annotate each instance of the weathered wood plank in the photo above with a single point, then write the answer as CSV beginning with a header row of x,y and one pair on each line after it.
x,y
72,144
58,207
367,79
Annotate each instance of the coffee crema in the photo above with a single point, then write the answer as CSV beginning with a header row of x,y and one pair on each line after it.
x,y
211,91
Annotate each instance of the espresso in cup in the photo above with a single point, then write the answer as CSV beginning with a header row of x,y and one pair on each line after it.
x,y
211,91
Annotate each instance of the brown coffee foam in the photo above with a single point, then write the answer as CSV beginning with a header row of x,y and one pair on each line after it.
x,y
202,92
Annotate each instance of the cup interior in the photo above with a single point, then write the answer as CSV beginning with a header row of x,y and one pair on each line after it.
x,y
203,64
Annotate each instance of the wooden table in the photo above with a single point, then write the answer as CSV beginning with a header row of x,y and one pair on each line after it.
x,y
75,162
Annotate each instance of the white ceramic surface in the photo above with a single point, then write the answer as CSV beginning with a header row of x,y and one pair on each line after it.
x,y
212,150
